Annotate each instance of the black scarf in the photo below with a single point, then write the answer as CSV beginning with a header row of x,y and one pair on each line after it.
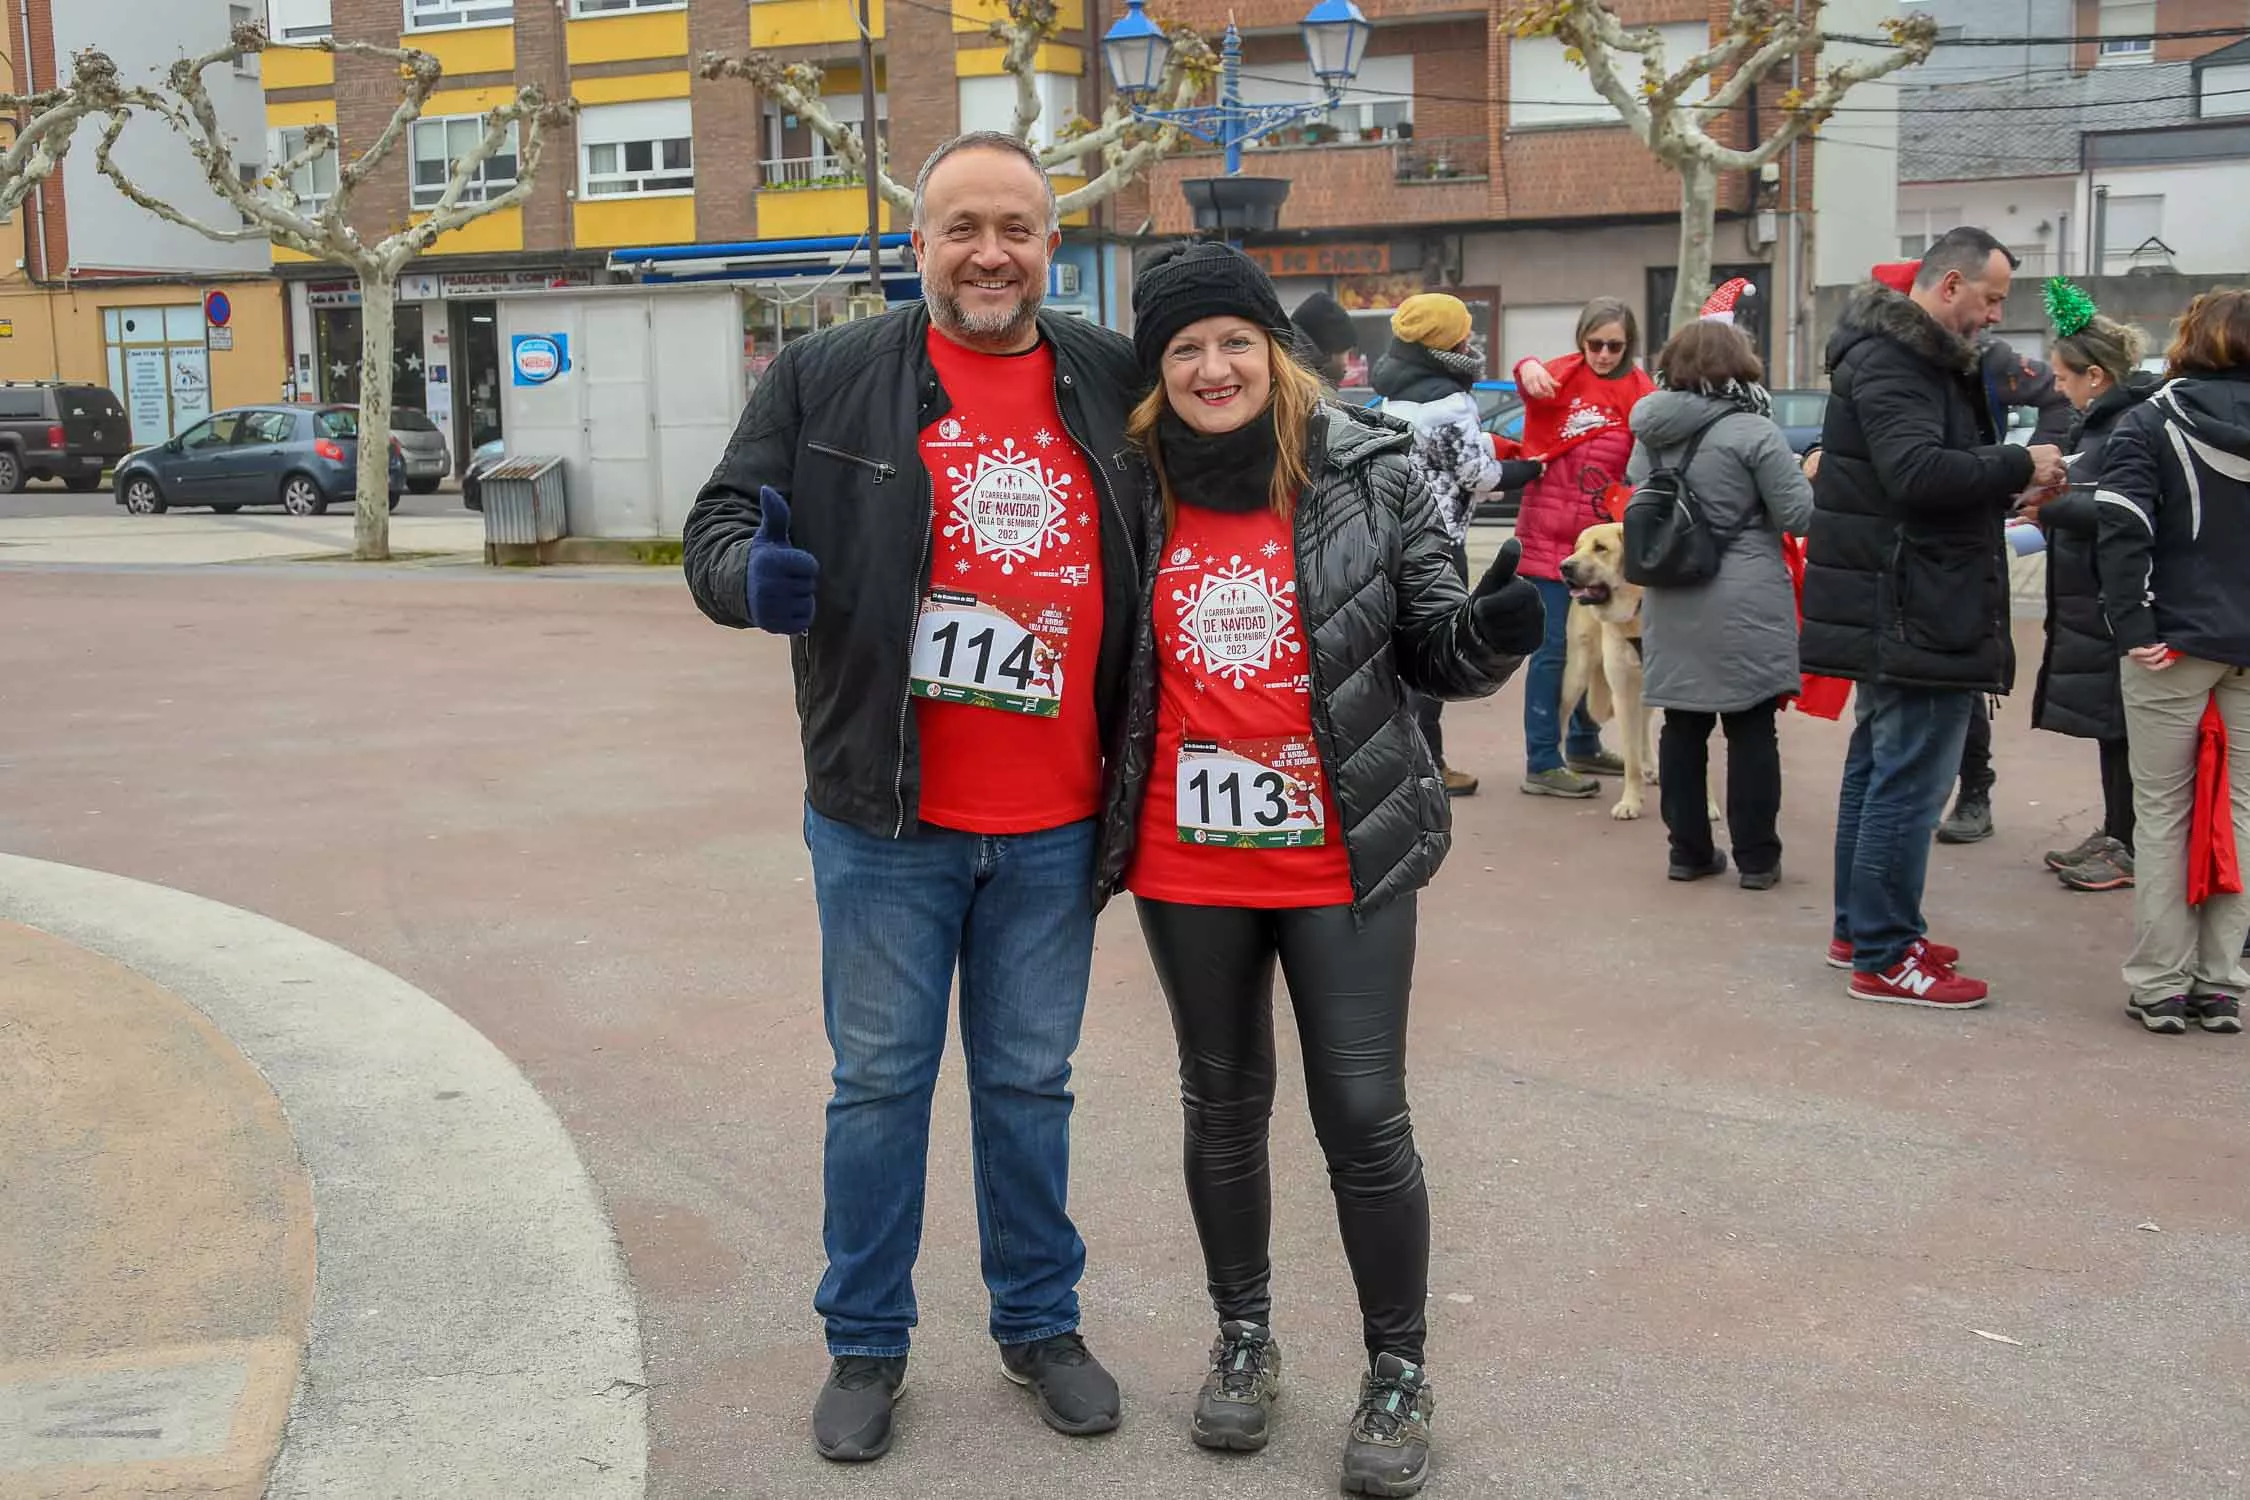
x,y
1226,471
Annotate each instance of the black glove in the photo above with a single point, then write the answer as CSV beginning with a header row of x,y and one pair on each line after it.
x,y
1506,610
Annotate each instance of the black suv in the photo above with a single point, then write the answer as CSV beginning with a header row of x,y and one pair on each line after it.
x,y
54,430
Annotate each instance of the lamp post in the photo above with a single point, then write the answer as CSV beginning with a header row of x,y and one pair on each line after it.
x,y
1335,34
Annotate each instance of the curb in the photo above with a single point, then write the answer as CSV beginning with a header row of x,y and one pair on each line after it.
x,y
473,1330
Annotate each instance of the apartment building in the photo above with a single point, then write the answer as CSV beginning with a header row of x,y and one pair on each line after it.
x,y
93,288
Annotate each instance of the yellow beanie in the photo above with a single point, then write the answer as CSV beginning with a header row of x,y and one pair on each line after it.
x,y
1434,320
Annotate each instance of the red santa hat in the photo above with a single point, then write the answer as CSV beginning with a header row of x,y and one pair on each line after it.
x,y
1720,306
1898,275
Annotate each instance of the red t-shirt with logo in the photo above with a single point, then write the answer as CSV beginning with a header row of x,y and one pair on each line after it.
x,y
1010,630
1238,810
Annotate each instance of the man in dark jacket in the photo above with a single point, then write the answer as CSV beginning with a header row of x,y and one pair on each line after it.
x,y
1906,592
936,505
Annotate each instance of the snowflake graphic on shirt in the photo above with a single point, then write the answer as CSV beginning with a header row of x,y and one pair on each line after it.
x,y
1584,419
1237,621
1009,505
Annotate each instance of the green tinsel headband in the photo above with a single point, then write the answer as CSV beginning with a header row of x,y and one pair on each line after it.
x,y
2068,308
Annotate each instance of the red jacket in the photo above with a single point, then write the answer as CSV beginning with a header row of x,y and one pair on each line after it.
x,y
1581,434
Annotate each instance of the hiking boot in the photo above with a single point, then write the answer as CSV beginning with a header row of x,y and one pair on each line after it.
x,y
851,1418
2216,1012
1076,1395
2109,868
2168,1016
1236,1408
1560,782
1761,880
1971,820
1918,979
1692,870
1458,783
1937,955
1387,1451
2059,860
1599,763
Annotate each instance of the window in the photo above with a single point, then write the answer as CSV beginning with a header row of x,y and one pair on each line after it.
x,y
298,20
245,63
267,427
430,15
990,104
2128,224
636,148
314,183
217,432
2125,25
339,422
247,173
1547,88
438,144
1378,105
615,7
2225,90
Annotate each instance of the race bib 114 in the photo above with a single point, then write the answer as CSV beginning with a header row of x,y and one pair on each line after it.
x,y
1250,794
987,652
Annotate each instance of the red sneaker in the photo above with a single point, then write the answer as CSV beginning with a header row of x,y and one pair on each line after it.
x,y
1939,955
1918,980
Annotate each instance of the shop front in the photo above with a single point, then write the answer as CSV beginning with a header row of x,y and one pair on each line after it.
x,y
1369,279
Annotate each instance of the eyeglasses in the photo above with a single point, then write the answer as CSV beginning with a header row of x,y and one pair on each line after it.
x,y
1605,346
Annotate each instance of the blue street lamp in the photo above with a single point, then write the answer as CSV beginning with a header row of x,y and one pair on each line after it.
x,y
1335,40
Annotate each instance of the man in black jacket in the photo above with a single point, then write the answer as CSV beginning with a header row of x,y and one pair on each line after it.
x,y
937,505
1906,592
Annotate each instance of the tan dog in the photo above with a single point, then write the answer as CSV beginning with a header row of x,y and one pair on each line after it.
x,y
1603,664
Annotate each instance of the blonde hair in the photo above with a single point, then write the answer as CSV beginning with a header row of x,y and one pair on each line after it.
x,y
2104,344
1296,396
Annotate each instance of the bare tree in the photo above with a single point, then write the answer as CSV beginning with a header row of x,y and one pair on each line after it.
x,y
46,124
271,208
1125,147
1674,111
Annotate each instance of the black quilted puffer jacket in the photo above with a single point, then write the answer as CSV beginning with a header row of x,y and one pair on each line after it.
x,y
1383,611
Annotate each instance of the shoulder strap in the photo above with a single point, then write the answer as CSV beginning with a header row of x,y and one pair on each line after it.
x,y
1695,441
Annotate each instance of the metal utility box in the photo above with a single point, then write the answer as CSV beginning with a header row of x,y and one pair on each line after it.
x,y
525,502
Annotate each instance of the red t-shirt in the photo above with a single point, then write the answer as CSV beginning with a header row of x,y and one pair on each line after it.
x,y
1009,634
1583,404
1238,810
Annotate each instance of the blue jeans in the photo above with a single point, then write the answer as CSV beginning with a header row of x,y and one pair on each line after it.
x,y
896,915
1905,753
1542,691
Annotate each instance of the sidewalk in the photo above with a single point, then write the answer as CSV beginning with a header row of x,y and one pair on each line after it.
x,y
197,537
182,1086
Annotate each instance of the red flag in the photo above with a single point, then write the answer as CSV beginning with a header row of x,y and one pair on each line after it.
x,y
2212,869
1822,697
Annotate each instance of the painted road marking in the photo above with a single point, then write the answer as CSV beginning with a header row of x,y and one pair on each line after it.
x,y
120,1416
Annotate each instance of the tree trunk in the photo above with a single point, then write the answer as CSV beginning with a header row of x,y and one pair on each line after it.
x,y
371,514
1699,213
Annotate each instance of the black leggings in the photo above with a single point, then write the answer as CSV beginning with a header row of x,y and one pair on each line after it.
x,y
1428,711
1683,764
1977,775
2117,792
1348,984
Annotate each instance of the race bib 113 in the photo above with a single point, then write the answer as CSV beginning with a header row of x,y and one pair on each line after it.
x,y
1250,794
987,652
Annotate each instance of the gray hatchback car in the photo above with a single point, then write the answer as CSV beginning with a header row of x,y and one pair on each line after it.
x,y
301,458
429,457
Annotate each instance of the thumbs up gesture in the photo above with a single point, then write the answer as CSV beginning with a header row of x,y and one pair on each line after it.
x,y
782,577
1506,610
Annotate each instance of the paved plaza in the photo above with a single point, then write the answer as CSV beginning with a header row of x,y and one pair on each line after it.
x,y
409,991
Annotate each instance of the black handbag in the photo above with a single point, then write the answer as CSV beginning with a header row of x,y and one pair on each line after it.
x,y
1669,542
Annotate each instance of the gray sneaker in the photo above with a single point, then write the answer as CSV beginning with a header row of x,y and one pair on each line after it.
x,y
1387,1451
2086,848
1600,763
1560,782
2109,868
1235,1411
1971,821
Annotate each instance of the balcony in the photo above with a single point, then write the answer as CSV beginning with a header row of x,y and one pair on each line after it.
x,y
1348,185
780,174
1441,159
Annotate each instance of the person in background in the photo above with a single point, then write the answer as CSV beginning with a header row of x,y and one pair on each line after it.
x,y
1293,812
1576,414
2097,365
1723,651
2173,552
1906,593
1425,380
1325,334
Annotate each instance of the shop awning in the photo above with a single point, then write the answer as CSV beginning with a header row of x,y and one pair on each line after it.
x,y
758,260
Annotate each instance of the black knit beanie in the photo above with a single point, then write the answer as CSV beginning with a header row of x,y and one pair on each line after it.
x,y
1189,282
1324,321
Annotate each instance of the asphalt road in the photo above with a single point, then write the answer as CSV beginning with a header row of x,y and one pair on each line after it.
x,y
1703,1225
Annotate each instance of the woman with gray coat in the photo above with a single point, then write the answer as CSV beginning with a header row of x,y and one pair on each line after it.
x,y
1722,652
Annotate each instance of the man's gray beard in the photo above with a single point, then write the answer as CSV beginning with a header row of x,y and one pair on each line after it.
x,y
946,311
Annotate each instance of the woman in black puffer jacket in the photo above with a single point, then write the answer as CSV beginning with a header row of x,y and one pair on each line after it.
x,y
2096,364
1303,587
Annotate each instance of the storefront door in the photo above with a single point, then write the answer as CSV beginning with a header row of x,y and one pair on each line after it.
x,y
475,372
160,367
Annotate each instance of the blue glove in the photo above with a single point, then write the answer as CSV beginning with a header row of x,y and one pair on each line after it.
x,y
781,577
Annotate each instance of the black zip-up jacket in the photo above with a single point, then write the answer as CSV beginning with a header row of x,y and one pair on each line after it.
x,y
2174,547
1383,611
2077,692
1906,575
836,427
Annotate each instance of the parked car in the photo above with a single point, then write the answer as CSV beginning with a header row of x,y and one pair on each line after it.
x,y
53,430
301,458
1800,414
472,478
429,457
